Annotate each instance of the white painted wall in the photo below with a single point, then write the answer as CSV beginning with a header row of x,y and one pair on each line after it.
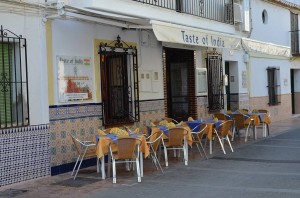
x,y
277,29
258,75
75,38
236,65
32,28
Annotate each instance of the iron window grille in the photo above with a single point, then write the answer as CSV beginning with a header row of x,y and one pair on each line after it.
x,y
273,86
294,35
14,109
217,10
215,83
119,82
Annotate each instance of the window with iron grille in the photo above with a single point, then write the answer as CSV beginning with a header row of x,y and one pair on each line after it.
x,y
14,111
215,81
273,85
119,83
294,34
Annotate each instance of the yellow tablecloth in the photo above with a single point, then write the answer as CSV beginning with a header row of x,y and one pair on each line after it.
x,y
102,147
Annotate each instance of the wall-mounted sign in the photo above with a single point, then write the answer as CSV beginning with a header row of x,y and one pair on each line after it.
x,y
201,81
75,78
193,36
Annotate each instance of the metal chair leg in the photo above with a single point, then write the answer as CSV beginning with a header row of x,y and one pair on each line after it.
x,y
75,165
78,167
199,149
229,143
203,149
114,171
80,162
246,137
97,165
166,156
158,163
222,146
138,171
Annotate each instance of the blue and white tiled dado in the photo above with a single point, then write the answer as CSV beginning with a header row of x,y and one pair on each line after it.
x,y
80,120
24,154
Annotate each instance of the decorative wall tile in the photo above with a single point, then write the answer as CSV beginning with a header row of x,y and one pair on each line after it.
x,y
24,154
80,120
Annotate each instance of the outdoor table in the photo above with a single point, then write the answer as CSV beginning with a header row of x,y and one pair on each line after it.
x,y
211,125
264,118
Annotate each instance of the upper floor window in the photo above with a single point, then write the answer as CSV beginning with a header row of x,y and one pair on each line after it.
x,y
294,34
273,85
13,81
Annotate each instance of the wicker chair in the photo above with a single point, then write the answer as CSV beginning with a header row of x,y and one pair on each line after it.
x,y
222,131
85,149
127,151
265,125
156,122
171,120
153,142
197,137
221,116
176,141
241,123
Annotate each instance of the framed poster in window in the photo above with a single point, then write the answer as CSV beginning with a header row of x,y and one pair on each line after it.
x,y
201,81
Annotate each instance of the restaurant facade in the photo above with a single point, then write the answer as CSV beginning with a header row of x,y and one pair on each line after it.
x,y
87,67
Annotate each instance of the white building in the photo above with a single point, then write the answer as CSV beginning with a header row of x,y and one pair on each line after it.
x,y
93,64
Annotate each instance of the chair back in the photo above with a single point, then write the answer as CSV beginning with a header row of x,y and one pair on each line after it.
x,y
155,138
220,116
77,143
176,136
108,130
239,120
156,122
225,128
171,120
243,111
144,131
263,111
184,124
126,147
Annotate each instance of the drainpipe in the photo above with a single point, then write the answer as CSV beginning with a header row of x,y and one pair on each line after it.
x,y
247,56
250,18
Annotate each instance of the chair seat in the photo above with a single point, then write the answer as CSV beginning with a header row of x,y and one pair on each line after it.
x,y
167,144
117,157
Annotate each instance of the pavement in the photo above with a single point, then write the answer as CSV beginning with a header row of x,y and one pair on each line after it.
x,y
267,167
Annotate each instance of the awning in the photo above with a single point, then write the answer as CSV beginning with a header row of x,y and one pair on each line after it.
x,y
171,33
265,48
